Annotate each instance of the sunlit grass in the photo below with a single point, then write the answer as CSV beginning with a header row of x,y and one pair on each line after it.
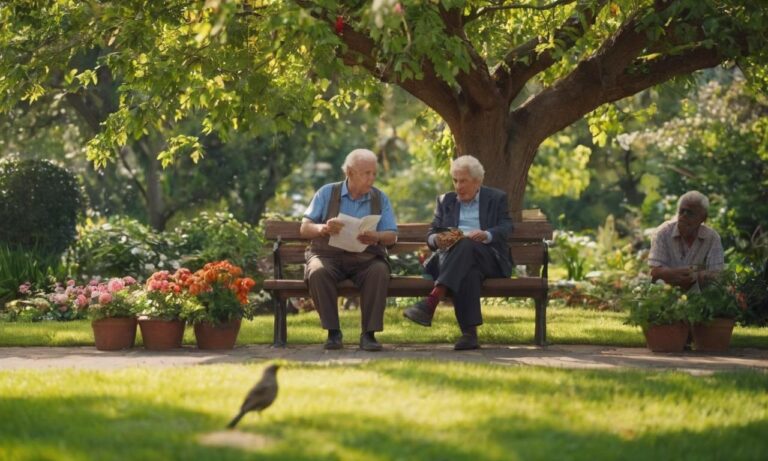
x,y
505,323
384,410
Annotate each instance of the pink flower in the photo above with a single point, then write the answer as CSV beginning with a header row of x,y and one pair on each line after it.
x,y
128,280
81,301
115,285
24,288
60,298
70,283
105,298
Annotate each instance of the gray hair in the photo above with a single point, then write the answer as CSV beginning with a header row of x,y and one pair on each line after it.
x,y
356,156
694,197
470,164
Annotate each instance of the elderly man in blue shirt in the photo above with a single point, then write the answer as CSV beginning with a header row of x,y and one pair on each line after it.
x,y
469,233
327,265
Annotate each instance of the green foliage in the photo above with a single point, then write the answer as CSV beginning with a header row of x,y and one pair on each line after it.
x,y
718,299
753,284
655,304
116,247
573,251
216,236
39,205
21,266
163,305
560,169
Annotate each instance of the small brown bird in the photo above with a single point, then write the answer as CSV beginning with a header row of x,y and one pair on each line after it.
x,y
261,396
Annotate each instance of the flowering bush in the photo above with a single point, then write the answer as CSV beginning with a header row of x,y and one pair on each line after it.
x,y
221,291
114,298
69,301
655,304
165,296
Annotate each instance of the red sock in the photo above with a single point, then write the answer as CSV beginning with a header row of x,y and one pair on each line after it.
x,y
433,299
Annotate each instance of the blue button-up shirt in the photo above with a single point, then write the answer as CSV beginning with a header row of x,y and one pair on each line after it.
x,y
318,207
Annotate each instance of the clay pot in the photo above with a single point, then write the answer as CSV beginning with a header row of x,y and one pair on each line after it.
x,y
114,333
159,335
217,336
666,338
714,336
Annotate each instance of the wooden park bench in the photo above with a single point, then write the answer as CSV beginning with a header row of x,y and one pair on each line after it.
x,y
527,244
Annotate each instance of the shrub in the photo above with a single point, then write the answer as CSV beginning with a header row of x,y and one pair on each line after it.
x,y
119,246
18,267
215,237
39,205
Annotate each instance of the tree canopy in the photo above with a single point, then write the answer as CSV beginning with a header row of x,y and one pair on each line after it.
x,y
503,76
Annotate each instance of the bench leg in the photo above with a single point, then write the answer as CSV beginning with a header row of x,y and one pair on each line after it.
x,y
540,334
280,336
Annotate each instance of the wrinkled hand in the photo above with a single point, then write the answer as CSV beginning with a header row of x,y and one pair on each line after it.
x,y
332,227
477,235
446,239
683,277
368,238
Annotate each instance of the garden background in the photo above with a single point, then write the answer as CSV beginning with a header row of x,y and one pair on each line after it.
x,y
145,136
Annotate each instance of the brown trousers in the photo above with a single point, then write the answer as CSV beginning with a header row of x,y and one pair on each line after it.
x,y
369,273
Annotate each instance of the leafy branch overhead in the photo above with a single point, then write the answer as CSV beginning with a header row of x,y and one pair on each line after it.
x,y
503,75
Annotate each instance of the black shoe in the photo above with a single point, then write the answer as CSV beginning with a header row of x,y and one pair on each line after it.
x,y
468,341
334,340
420,313
368,342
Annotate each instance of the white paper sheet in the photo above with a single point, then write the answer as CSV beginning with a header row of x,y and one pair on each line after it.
x,y
346,239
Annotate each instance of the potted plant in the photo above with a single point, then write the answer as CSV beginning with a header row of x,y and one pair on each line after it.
x,y
162,309
222,295
112,313
713,313
659,310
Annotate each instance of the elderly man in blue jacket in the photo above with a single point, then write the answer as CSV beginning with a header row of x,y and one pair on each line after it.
x,y
469,238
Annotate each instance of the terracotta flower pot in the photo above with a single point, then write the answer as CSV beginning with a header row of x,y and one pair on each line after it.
x,y
217,336
666,338
160,335
714,336
114,333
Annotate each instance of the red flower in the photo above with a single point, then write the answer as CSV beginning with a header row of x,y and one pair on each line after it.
x,y
339,25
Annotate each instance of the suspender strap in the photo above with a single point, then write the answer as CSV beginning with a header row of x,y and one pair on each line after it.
x,y
334,204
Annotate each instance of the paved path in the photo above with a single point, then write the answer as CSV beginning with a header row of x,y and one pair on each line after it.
x,y
558,356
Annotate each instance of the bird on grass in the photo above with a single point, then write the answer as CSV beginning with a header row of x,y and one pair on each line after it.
x,y
261,396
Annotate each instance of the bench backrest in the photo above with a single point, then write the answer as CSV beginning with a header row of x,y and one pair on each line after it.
x,y
526,241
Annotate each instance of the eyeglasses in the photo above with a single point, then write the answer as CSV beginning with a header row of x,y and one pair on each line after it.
x,y
686,212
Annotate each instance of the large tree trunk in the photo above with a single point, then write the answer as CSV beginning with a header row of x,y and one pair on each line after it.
x,y
506,155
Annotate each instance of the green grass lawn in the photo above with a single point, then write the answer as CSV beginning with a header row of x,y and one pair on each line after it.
x,y
383,410
505,323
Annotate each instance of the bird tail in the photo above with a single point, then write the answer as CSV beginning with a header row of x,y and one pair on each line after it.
x,y
235,420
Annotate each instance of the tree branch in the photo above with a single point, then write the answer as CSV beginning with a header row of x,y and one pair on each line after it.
x,y
361,50
514,6
523,62
476,84
583,90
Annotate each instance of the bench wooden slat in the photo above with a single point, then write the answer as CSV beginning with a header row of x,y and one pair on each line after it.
x,y
411,232
522,287
522,253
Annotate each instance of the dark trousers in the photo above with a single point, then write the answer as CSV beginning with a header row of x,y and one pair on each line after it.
x,y
369,273
462,270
